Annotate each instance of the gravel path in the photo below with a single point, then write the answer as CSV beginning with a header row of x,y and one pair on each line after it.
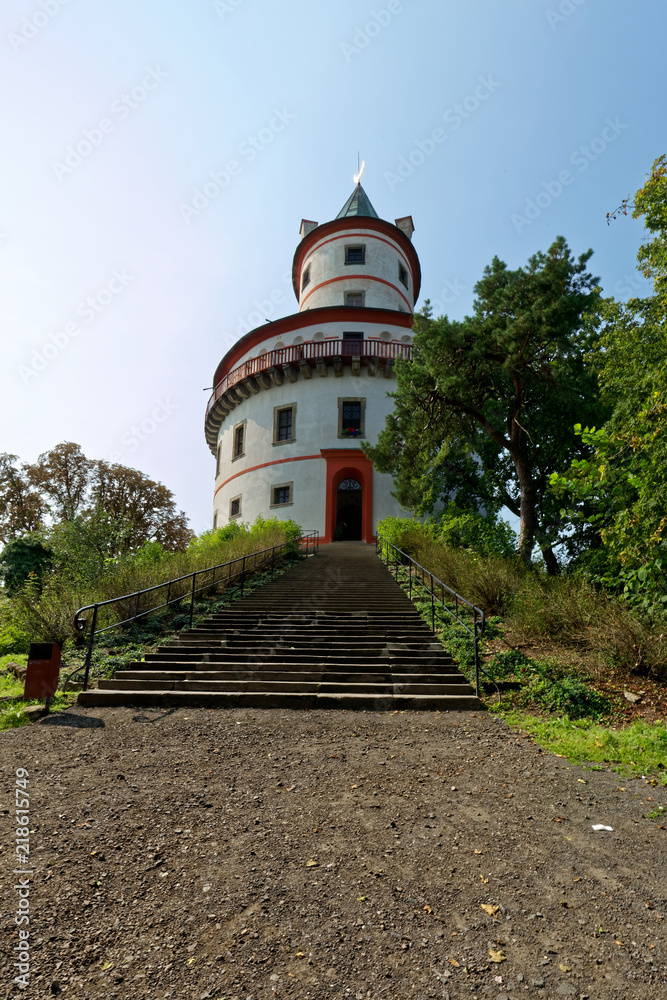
x,y
244,854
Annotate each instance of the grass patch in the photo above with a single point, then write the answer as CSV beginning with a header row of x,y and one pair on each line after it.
x,y
637,749
12,713
19,658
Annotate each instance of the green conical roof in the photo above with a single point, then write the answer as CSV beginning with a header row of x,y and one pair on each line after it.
x,y
358,204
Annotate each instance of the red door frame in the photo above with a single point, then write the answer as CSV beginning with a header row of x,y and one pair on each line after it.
x,y
348,463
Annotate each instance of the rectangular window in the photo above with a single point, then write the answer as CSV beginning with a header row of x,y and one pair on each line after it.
x,y
402,275
306,278
284,424
351,417
235,507
217,460
215,520
354,298
355,255
281,494
238,446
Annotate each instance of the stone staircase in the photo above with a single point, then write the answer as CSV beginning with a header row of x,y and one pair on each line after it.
x,y
336,631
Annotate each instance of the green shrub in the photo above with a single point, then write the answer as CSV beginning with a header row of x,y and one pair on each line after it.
x,y
568,696
487,581
22,558
485,535
406,534
12,639
511,663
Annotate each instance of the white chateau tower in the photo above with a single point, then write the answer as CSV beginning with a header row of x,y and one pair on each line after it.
x,y
293,398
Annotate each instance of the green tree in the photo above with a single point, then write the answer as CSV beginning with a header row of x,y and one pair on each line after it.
x,y
21,559
622,486
485,411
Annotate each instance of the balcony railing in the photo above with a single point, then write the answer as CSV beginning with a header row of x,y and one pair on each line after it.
x,y
310,351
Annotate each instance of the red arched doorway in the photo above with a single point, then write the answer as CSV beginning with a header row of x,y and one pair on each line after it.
x,y
351,506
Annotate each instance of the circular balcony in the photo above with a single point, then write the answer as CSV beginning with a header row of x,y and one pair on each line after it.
x,y
288,363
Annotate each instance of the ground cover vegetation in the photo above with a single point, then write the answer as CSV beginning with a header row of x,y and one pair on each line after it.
x,y
549,400
78,531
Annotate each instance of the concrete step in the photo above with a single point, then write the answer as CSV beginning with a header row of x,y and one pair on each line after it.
x,y
341,664
279,699
301,686
139,677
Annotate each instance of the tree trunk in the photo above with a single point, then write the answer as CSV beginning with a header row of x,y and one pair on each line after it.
x,y
528,525
550,561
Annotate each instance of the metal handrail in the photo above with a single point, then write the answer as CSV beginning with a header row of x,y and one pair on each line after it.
x,y
308,541
310,350
382,545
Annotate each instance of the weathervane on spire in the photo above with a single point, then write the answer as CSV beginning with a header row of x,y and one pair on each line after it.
x,y
360,170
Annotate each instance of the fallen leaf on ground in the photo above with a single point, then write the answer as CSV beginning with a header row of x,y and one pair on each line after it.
x,y
490,909
496,956
452,961
565,968
312,863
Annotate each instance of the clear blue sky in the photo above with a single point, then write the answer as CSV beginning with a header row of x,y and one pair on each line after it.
x,y
497,126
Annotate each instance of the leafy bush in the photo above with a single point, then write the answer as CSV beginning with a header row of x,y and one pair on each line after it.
x,y
469,529
487,581
507,664
12,639
22,558
412,537
568,696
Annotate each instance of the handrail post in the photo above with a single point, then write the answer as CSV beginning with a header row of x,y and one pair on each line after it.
x,y
89,649
474,611
192,600
242,576
432,605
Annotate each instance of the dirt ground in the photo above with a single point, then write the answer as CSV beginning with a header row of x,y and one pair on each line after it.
x,y
242,854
